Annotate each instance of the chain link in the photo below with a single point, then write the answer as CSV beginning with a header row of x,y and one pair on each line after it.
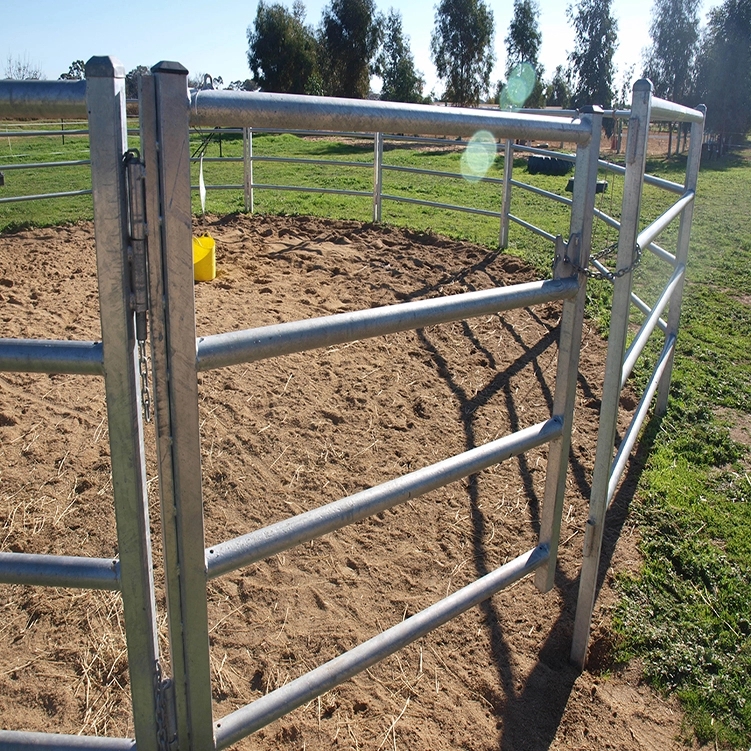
x,y
164,741
143,370
605,275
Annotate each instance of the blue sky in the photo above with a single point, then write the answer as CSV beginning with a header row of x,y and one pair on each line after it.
x,y
212,38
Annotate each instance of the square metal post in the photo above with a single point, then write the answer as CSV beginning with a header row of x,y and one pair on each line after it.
x,y
377,176
569,346
508,173
105,98
636,157
684,237
167,154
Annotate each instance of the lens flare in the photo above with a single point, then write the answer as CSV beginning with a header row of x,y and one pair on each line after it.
x,y
478,156
521,82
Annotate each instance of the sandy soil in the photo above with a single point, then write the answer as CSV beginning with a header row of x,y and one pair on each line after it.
x,y
284,436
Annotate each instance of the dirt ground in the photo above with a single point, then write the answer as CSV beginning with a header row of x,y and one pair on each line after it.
x,y
283,436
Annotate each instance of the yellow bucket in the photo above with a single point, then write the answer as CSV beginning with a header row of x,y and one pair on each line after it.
x,y
204,258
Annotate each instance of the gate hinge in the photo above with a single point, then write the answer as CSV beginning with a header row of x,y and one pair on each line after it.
x,y
138,231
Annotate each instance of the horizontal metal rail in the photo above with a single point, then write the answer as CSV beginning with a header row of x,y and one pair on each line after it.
x,y
436,205
44,165
658,225
540,192
197,159
267,110
276,538
641,338
40,99
251,345
304,189
60,571
41,196
658,182
51,356
629,439
272,706
646,309
18,740
305,160
545,152
532,228
670,112
438,173
218,187
42,133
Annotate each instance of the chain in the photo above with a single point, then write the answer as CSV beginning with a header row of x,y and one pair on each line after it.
x,y
610,276
143,370
164,741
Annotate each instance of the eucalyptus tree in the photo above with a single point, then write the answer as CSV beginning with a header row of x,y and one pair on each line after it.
x,y
282,50
349,38
724,69
596,39
461,47
396,65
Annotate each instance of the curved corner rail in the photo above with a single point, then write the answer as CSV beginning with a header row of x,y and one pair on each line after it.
x,y
266,110
60,571
263,543
51,356
251,345
38,99
272,706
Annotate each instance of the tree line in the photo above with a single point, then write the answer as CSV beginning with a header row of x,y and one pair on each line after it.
x,y
687,64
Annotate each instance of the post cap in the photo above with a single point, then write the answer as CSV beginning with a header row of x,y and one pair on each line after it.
x,y
104,66
167,66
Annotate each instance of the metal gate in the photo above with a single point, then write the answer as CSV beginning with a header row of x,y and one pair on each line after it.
x,y
143,201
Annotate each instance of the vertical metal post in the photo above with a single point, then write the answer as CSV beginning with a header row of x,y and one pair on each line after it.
x,y
177,408
636,154
684,236
508,171
377,176
105,99
569,346
248,168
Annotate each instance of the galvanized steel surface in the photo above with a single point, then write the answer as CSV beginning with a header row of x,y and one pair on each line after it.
x,y
40,99
14,740
51,356
294,694
276,538
250,345
264,110
59,571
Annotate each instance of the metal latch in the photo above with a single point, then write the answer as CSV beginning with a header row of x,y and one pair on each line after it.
x,y
137,256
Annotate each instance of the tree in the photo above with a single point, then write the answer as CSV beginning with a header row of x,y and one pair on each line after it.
x,y
524,37
281,48
396,66
724,68
559,89
131,81
596,38
461,47
22,69
669,61
349,38
76,71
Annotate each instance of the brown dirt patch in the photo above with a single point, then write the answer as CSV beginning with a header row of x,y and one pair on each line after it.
x,y
283,436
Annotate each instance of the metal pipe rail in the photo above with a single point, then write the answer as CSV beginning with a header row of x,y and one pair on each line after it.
x,y
641,338
658,225
251,110
40,99
251,345
276,538
43,165
60,571
18,740
646,309
629,439
51,356
40,133
272,706
532,228
436,205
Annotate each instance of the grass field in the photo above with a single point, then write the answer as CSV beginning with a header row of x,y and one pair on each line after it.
x,y
687,615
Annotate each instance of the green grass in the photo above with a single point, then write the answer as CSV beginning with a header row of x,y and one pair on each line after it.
x,y
687,614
